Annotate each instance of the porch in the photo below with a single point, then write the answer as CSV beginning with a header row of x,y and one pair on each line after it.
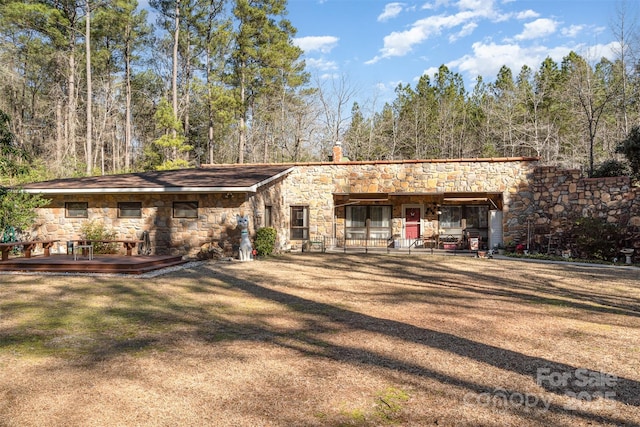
x,y
450,221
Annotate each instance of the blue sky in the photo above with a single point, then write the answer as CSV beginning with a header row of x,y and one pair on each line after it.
x,y
376,44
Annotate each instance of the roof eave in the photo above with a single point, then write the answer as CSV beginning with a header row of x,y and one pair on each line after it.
x,y
272,178
142,190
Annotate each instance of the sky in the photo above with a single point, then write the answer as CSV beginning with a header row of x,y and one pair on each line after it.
x,y
376,45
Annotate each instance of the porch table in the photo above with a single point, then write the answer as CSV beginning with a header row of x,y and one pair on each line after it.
x,y
127,244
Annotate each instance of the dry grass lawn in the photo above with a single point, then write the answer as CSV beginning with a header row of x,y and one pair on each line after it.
x,y
325,340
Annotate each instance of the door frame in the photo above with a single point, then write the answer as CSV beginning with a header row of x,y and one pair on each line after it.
x,y
404,217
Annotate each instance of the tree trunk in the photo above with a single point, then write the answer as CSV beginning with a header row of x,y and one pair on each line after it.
x,y
242,131
174,75
127,107
60,139
70,136
89,143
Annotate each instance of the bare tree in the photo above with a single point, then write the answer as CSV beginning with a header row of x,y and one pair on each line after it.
x,y
592,91
335,95
625,33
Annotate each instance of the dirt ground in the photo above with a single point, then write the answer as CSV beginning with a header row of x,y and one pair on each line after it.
x,y
325,340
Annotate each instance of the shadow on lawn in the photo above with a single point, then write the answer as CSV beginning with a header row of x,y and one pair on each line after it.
x,y
491,355
523,288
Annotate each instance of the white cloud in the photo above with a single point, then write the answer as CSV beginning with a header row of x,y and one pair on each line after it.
x,y
527,14
435,4
329,76
466,30
476,5
321,64
322,44
539,28
391,10
572,31
431,71
400,43
487,58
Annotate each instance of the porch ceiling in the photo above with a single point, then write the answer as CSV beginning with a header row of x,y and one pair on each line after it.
x,y
494,199
363,197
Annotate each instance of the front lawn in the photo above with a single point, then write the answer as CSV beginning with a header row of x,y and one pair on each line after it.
x,y
325,340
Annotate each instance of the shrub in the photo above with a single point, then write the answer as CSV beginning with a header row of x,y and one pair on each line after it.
x,y
96,230
18,209
611,168
630,147
597,239
265,241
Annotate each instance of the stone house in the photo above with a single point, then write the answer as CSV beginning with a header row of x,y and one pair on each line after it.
x,y
461,203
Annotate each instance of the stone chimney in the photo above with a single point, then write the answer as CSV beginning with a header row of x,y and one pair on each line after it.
x,y
337,152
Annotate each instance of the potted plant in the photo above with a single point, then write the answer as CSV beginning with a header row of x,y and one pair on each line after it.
x,y
499,248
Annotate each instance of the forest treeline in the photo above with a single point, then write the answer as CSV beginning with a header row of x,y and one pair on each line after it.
x,y
97,87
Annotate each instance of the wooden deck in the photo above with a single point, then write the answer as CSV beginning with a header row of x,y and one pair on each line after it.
x,y
99,264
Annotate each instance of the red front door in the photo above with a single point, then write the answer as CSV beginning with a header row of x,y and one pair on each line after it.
x,y
412,223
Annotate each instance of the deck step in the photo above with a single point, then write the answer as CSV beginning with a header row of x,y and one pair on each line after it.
x,y
99,264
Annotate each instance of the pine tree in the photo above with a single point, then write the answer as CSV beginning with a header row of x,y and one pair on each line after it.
x,y
264,60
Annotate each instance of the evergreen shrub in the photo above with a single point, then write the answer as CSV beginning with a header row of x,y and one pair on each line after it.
x,y
265,241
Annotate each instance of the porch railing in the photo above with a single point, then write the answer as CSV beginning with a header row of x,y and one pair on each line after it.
x,y
322,243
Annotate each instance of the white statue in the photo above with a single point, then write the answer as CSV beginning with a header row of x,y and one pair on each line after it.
x,y
245,243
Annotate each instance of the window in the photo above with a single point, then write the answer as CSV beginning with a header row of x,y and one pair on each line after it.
x,y
356,222
185,209
451,217
379,222
129,210
368,222
268,216
299,222
76,209
477,216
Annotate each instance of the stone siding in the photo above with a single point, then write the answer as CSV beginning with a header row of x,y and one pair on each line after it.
x,y
216,220
314,185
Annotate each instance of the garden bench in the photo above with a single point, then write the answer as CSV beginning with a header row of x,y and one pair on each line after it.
x,y
27,247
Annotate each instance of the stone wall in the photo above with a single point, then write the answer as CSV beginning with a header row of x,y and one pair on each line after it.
x,y
556,197
216,220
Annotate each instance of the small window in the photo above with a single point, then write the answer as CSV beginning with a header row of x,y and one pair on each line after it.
x,y
268,216
185,209
76,209
451,217
129,210
299,222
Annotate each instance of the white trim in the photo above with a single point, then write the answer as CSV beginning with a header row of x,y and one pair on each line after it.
x,y
168,190
272,178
